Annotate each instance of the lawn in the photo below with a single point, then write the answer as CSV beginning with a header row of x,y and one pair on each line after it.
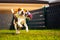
x,y
31,35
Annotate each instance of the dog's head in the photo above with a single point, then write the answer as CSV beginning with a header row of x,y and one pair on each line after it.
x,y
21,11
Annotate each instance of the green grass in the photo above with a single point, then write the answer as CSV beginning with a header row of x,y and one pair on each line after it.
x,y
31,35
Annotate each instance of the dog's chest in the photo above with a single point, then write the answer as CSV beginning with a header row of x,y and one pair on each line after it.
x,y
21,19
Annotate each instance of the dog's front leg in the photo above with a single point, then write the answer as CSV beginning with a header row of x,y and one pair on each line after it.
x,y
26,27
19,22
15,25
17,31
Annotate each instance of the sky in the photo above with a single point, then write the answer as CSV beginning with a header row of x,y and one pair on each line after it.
x,y
50,1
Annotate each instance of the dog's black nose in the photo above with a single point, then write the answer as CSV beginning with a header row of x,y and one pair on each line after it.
x,y
22,13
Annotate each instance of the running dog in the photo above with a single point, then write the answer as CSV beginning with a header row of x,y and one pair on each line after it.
x,y
20,19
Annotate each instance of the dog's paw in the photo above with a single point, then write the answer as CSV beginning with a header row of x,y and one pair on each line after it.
x,y
17,32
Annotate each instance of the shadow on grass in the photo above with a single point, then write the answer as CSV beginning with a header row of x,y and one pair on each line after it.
x,y
7,33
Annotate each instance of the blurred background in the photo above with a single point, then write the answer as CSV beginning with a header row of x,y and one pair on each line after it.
x,y
45,13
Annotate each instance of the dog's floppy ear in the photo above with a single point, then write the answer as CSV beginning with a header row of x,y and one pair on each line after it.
x,y
19,9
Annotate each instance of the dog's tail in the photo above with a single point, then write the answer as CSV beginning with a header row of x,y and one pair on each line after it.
x,y
12,10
